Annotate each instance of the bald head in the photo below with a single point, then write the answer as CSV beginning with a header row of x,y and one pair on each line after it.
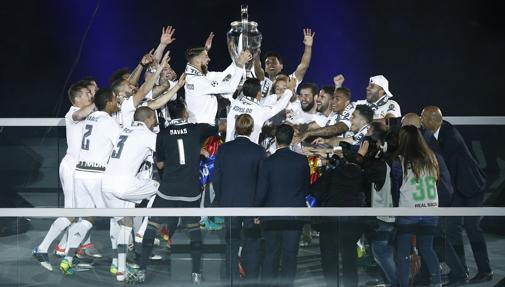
x,y
411,119
431,118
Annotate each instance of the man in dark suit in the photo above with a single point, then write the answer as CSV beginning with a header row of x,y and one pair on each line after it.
x,y
469,184
235,178
283,181
442,244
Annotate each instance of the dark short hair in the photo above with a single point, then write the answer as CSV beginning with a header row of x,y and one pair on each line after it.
x,y
251,87
366,112
244,125
117,84
273,54
193,52
344,91
284,134
118,74
74,91
312,86
176,109
102,97
328,90
143,113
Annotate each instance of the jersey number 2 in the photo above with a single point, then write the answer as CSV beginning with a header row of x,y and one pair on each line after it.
x,y
85,140
116,153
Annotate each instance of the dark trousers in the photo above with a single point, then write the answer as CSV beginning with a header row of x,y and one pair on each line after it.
x,y
234,228
282,239
192,224
339,240
471,224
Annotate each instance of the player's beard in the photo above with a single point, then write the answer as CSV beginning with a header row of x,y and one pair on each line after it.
x,y
308,107
204,69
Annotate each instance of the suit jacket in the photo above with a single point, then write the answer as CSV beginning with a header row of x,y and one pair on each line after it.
x,y
467,177
444,183
283,180
236,172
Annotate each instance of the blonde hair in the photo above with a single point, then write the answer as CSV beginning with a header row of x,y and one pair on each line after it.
x,y
244,124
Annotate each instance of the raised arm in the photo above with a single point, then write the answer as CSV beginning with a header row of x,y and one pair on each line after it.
x,y
208,42
165,97
308,39
338,80
165,40
258,70
149,83
135,75
215,83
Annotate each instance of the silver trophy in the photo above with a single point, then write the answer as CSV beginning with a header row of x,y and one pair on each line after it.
x,y
244,35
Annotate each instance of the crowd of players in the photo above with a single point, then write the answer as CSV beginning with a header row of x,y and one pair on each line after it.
x,y
280,136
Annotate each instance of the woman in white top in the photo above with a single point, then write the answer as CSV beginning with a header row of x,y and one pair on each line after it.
x,y
418,190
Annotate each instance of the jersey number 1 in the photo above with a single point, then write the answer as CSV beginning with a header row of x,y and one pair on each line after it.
x,y
180,148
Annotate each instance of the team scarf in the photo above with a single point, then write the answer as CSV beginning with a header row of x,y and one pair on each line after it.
x,y
314,163
211,145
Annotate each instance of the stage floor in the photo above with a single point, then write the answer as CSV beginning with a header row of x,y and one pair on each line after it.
x,y
18,268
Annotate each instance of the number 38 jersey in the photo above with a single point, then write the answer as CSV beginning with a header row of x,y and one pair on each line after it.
x,y
178,146
419,193
99,135
134,144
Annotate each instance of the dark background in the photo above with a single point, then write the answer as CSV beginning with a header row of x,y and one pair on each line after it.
x,y
448,53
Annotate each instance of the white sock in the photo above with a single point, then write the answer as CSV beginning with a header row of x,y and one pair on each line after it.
x,y
113,233
76,234
123,238
137,224
142,227
56,228
63,240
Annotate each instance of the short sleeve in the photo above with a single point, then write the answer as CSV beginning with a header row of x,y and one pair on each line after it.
x,y
393,109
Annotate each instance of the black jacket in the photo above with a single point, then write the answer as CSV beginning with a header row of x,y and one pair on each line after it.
x,y
467,177
236,172
342,186
283,180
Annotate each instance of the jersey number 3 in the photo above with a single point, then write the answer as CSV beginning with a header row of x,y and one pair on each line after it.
x,y
116,153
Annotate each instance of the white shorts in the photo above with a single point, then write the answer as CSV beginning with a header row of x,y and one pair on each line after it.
x,y
125,192
88,190
66,171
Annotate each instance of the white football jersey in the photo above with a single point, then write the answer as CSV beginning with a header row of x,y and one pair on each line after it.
x,y
134,145
420,193
344,117
124,117
259,113
266,85
100,133
359,135
74,133
382,107
296,116
201,91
